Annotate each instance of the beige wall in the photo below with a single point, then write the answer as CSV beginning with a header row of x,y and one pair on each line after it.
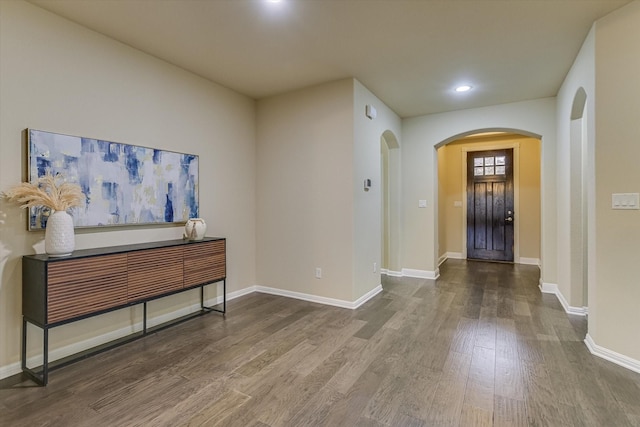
x,y
305,190
576,180
617,153
60,77
451,228
367,219
316,148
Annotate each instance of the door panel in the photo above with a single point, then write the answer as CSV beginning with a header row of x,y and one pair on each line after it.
x,y
490,205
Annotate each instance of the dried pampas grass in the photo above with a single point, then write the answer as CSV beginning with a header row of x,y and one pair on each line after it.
x,y
50,191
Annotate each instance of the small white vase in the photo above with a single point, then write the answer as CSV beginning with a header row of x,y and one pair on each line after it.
x,y
59,238
195,229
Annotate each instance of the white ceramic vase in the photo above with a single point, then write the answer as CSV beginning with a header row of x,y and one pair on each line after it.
x,y
195,229
59,238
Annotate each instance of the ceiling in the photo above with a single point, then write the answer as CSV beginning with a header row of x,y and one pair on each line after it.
x,y
410,53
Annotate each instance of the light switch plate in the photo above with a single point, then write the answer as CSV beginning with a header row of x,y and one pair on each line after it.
x,y
422,203
625,201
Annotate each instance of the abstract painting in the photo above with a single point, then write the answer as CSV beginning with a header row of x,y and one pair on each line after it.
x,y
123,184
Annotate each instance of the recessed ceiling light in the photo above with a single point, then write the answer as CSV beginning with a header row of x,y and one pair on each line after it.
x,y
274,1
464,88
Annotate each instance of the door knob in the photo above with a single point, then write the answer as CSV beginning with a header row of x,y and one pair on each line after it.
x,y
509,219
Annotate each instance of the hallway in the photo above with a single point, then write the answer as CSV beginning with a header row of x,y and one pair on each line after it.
x,y
480,346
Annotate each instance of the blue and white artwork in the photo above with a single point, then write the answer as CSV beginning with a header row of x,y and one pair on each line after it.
x,y
123,184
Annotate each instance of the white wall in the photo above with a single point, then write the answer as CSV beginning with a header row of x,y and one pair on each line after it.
x,y
421,135
60,77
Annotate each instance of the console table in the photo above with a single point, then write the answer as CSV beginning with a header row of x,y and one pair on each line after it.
x,y
61,290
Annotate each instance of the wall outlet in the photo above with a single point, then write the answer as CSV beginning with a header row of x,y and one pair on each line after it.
x,y
375,267
318,273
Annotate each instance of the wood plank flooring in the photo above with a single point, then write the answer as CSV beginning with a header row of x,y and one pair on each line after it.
x,y
480,346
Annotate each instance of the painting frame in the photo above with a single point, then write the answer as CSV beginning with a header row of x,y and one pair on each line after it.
x,y
124,184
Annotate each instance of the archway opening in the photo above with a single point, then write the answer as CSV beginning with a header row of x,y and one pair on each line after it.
x,y
453,205
390,203
578,203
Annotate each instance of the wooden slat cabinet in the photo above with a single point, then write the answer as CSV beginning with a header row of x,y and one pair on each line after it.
x,y
56,291
154,272
86,285
204,263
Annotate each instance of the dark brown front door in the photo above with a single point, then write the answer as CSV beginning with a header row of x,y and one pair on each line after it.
x,y
490,213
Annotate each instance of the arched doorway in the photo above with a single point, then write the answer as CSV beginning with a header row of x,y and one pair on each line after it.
x,y
390,203
453,207
578,203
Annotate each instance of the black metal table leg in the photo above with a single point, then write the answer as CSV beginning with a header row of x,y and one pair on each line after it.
x,y
224,296
37,377
45,356
24,344
144,318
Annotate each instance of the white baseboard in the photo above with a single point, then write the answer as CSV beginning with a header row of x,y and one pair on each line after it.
x,y
442,259
552,288
366,297
408,272
548,288
612,356
238,294
390,272
458,255
420,274
529,261
77,347
9,370
449,255
321,300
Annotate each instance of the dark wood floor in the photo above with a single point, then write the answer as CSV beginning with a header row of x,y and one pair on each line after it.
x,y
479,346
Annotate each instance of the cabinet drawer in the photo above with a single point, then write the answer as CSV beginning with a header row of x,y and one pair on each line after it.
x,y
84,286
86,268
204,263
154,272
